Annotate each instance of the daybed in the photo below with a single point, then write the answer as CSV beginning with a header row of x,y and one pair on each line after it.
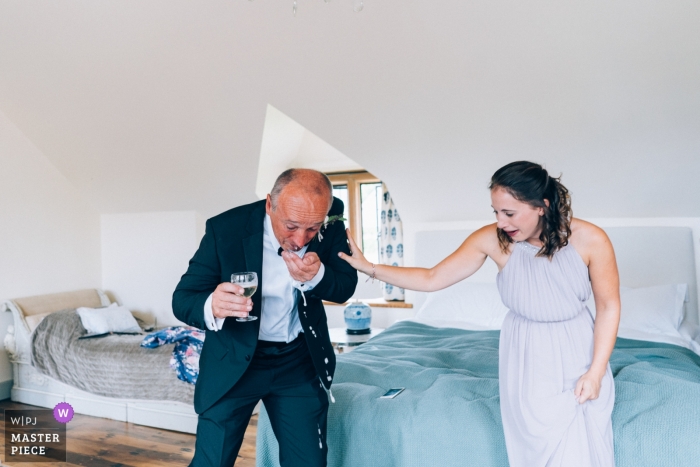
x,y
36,388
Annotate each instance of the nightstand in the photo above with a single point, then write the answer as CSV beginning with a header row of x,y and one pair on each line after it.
x,y
344,342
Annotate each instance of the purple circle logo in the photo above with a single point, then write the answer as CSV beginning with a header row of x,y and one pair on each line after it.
x,y
63,412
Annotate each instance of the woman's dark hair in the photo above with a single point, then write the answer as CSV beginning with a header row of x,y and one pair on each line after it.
x,y
530,183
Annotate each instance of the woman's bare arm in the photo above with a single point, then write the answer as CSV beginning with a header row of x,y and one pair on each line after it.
x,y
464,262
605,282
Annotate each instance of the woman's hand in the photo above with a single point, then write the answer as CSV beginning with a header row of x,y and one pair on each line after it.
x,y
587,388
357,260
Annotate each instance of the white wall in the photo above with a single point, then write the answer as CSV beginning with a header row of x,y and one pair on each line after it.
x,y
144,255
49,234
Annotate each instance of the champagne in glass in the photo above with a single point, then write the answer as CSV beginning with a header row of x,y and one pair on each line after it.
x,y
249,282
249,291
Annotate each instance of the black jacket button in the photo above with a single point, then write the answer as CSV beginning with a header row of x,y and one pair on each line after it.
x,y
247,358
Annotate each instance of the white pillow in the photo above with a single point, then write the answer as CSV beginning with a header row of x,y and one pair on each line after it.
x,y
656,309
110,319
652,310
475,306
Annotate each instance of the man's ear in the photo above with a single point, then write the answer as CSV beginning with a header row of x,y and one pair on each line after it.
x,y
268,205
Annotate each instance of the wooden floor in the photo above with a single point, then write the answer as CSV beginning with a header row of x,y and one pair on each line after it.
x,y
99,442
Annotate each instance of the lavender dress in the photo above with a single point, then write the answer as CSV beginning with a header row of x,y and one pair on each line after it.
x,y
546,345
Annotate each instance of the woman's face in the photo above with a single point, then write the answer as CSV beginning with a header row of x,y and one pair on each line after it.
x,y
519,220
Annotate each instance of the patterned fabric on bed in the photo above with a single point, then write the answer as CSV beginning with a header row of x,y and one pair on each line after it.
x,y
188,346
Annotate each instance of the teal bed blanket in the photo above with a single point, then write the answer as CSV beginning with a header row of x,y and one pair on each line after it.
x,y
449,414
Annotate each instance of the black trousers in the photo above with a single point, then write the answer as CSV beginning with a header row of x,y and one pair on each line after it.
x,y
284,378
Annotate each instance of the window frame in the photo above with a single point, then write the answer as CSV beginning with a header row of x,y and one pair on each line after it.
x,y
353,180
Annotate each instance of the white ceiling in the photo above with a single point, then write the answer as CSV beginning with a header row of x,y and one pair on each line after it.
x,y
160,105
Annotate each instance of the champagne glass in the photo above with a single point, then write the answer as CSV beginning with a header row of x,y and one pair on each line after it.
x,y
249,282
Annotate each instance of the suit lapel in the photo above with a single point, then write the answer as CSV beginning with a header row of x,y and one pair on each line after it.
x,y
253,250
336,209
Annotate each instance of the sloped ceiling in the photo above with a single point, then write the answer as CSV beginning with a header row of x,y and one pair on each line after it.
x,y
286,144
160,105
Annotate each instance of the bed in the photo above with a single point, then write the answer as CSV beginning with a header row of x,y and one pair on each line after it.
x,y
449,414
119,367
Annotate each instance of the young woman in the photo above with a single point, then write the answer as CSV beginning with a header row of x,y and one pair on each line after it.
x,y
556,388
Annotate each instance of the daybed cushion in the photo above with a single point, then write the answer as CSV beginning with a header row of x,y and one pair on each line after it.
x,y
42,304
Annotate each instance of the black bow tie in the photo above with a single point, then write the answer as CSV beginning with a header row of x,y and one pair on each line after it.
x,y
279,252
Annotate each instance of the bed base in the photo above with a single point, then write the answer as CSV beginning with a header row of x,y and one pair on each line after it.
x,y
33,388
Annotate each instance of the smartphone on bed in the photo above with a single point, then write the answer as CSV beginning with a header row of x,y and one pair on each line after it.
x,y
391,393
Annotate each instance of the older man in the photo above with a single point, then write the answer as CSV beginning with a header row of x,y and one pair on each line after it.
x,y
284,358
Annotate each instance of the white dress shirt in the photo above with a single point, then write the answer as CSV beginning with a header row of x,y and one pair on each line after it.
x,y
279,320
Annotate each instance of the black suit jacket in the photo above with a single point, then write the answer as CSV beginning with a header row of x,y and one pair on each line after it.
x,y
233,242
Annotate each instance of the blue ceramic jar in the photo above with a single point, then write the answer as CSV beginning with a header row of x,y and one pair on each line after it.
x,y
358,317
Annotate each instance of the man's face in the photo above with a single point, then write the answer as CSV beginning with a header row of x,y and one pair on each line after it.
x,y
297,217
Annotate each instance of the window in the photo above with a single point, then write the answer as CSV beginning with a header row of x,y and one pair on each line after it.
x,y
361,192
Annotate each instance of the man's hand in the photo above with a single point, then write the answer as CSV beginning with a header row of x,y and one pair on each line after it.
x,y
302,269
227,300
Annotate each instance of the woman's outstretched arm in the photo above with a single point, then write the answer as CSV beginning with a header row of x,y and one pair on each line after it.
x,y
464,262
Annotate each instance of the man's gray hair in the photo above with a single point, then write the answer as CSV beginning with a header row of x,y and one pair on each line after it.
x,y
322,187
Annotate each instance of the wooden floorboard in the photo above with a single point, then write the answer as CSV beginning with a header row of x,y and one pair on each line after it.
x,y
100,442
